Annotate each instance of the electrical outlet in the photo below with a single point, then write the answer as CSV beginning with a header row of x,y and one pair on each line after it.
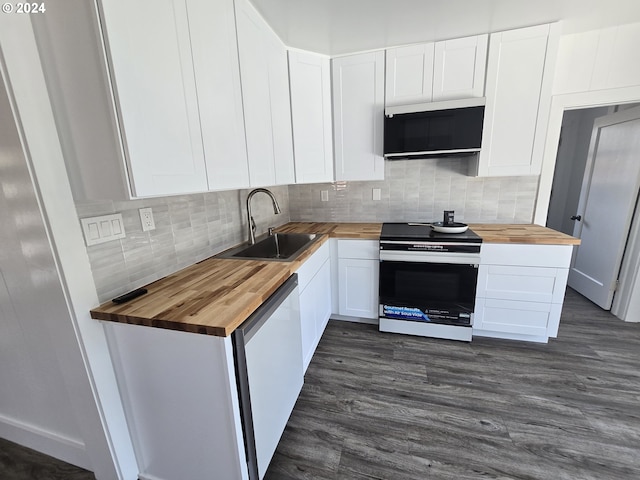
x,y
146,217
324,195
377,194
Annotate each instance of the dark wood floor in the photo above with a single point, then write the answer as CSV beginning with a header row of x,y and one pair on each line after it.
x,y
20,463
395,407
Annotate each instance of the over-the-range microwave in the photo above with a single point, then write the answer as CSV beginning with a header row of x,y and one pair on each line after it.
x,y
427,129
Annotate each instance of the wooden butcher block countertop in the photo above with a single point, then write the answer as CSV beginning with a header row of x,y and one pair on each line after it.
x,y
216,295
212,297
523,234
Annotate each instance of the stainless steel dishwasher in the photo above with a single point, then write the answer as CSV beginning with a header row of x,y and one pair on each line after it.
x,y
269,373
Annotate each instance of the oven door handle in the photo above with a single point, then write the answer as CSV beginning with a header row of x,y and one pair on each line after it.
x,y
429,257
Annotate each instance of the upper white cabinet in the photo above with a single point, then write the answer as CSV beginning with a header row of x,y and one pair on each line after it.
x,y
156,97
409,74
265,91
447,70
176,85
310,79
358,112
459,68
217,74
518,97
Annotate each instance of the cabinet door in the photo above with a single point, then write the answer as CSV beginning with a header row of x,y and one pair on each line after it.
x,y
315,310
254,55
265,94
311,114
518,97
522,319
217,72
155,91
409,74
358,293
358,106
280,113
459,68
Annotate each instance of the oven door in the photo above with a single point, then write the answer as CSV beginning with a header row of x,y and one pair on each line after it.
x,y
428,292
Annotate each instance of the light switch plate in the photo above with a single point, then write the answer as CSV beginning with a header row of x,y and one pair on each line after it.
x,y
146,218
104,228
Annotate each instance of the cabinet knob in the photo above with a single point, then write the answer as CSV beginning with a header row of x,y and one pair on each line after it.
x,y
576,217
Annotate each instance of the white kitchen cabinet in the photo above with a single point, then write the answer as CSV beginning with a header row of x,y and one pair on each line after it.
x,y
315,300
446,70
265,92
155,91
217,73
518,98
459,68
176,85
521,290
358,113
409,74
310,79
358,277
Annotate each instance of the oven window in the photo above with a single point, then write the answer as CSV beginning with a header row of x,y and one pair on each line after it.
x,y
427,284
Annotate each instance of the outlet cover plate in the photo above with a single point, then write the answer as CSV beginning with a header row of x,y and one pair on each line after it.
x,y
146,218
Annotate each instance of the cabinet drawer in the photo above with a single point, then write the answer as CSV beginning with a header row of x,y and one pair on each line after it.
x,y
311,266
526,255
365,249
529,284
522,318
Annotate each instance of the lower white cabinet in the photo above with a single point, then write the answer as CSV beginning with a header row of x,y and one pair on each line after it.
x,y
315,300
521,290
358,277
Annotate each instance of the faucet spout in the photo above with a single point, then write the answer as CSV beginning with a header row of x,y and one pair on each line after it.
x,y
250,222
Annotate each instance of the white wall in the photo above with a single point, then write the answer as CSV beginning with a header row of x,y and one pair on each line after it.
x,y
77,340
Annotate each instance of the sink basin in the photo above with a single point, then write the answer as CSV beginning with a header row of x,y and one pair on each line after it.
x,y
283,247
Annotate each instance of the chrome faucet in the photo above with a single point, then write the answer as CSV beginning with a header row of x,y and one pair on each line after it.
x,y
250,221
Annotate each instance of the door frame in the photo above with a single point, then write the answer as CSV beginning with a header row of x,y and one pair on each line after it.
x,y
573,101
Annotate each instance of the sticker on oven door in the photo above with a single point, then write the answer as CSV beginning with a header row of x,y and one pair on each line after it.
x,y
407,313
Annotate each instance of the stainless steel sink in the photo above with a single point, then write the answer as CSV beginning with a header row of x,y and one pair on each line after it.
x,y
283,247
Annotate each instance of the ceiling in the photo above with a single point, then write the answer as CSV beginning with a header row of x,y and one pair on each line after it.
x,y
335,27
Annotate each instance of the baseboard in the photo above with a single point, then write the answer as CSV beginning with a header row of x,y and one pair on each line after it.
x,y
344,318
67,449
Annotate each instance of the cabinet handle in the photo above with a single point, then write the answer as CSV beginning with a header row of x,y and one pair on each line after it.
x,y
576,217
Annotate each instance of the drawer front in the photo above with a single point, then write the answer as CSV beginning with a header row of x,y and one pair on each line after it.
x,y
523,318
558,256
529,284
364,249
311,266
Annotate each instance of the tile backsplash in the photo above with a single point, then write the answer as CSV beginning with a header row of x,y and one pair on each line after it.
x,y
189,228
419,190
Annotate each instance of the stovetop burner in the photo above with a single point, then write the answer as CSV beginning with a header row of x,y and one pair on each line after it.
x,y
423,232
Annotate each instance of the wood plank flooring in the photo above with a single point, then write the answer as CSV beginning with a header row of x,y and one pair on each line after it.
x,y
395,407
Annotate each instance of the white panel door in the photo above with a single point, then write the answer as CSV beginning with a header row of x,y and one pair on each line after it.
x,y
358,294
254,51
515,73
607,202
217,73
150,59
311,114
409,74
459,68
